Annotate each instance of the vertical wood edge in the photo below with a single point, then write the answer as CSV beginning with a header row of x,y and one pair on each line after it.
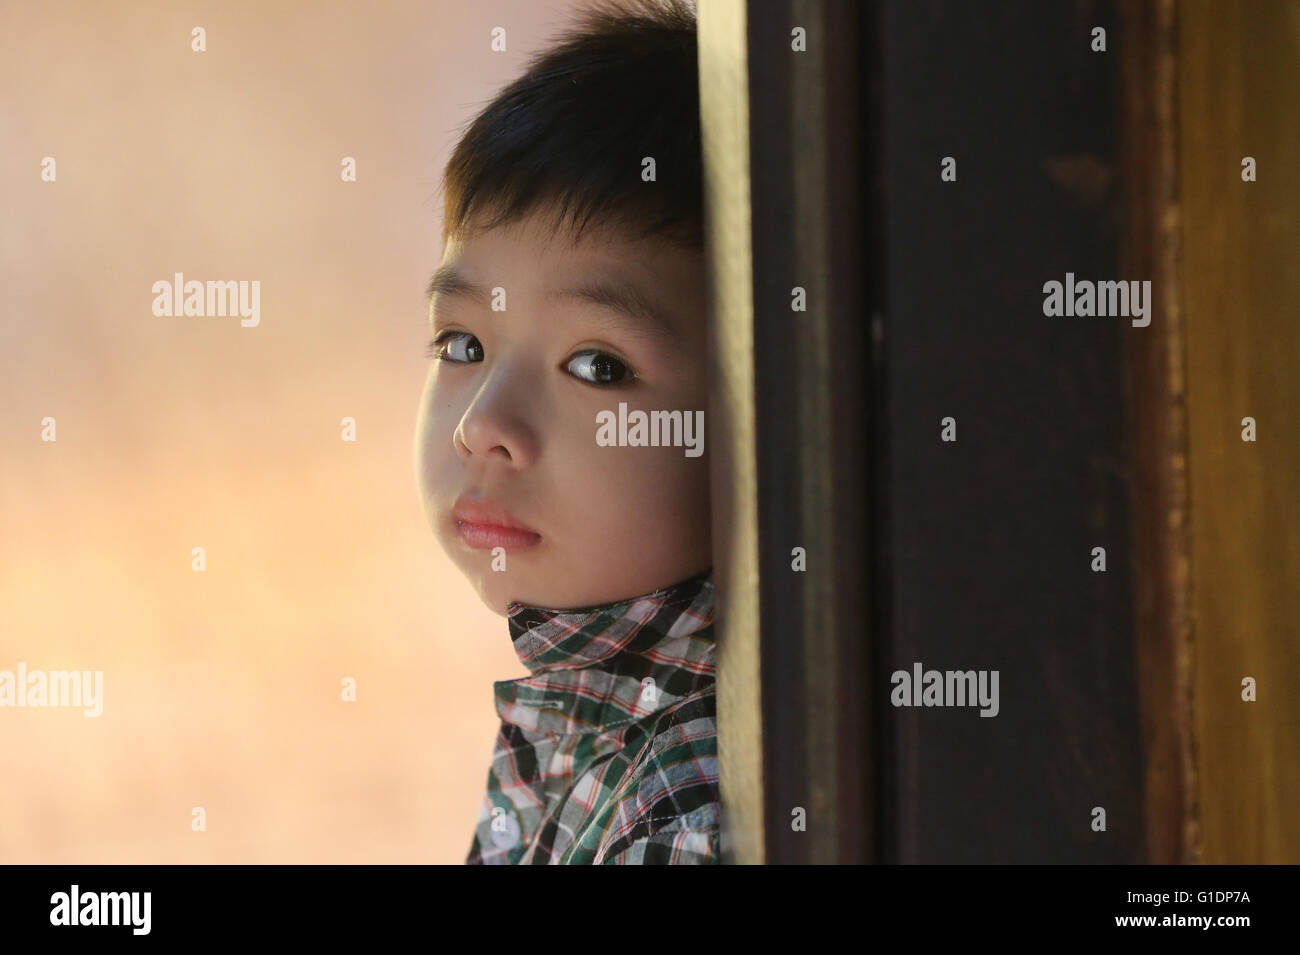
x,y
724,121
1156,385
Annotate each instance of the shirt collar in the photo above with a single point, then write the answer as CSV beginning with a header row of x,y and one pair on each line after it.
x,y
595,667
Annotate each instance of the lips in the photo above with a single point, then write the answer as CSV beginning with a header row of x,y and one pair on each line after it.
x,y
484,524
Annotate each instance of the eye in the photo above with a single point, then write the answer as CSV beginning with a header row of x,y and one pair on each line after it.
x,y
449,352
599,368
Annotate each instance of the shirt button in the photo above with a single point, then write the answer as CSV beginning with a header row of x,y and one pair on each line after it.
x,y
505,829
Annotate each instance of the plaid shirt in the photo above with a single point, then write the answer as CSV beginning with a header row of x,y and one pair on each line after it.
x,y
607,752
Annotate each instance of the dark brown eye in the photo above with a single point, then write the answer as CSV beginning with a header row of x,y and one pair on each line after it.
x,y
599,368
450,352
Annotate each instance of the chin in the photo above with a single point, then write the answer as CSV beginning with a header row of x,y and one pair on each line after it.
x,y
493,598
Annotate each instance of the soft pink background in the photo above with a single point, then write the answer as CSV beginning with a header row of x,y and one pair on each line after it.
x,y
222,689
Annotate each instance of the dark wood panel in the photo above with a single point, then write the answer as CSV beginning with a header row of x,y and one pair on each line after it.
x,y
991,535
813,425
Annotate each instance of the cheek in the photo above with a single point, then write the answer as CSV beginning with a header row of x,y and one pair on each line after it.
x,y
654,503
654,492
434,448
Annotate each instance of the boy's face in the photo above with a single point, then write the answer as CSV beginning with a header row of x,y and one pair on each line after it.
x,y
509,419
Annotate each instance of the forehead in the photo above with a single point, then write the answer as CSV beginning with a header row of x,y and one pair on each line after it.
x,y
649,285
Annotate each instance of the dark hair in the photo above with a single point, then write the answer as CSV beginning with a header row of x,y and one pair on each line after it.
x,y
568,137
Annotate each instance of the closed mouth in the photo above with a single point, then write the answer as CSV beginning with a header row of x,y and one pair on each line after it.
x,y
487,515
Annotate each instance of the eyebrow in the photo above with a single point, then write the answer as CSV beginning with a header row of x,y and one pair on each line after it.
x,y
623,305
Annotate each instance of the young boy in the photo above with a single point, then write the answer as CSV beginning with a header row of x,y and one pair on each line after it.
x,y
573,293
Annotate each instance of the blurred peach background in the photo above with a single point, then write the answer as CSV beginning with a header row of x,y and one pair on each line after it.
x,y
222,689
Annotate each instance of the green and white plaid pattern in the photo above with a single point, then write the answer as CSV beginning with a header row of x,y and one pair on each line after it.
x,y
607,752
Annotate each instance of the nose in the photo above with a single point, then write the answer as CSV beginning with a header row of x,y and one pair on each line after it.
x,y
494,427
